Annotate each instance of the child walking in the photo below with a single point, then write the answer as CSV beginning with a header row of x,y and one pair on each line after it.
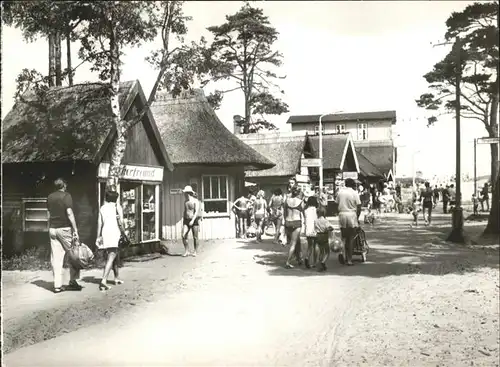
x,y
322,228
310,216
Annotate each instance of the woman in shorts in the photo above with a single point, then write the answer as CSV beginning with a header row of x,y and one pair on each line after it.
x,y
293,222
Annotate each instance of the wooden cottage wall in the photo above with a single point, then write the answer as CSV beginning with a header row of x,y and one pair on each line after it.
x,y
36,180
221,227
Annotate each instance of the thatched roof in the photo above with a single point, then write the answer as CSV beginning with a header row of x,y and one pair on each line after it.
x,y
380,156
366,167
343,117
334,149
193,134
286,154
66,123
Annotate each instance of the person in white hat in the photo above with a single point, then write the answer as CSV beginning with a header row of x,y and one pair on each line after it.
x,y
191,220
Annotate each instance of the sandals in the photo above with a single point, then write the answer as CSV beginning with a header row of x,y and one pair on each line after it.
x,y
58,290
118,281
104,287
288,266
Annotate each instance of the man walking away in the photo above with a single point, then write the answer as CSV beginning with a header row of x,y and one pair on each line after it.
x,y
62,233
446,199
349,205
426,196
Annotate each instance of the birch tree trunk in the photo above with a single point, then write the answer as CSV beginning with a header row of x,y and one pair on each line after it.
x,y
52,64
68,58
493,226
493,133
57,56
120,141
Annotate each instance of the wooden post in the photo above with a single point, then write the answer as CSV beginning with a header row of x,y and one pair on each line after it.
x,y
457,218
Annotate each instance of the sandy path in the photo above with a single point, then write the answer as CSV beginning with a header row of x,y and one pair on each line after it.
x,y
417,302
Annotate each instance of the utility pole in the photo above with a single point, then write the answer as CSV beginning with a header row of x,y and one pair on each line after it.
x,y
457,215
475,171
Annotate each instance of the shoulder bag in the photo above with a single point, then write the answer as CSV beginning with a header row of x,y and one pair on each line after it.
x,y
124,241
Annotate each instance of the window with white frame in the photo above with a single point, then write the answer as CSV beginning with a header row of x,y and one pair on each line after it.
x,y
340,128
316,129
215,194
362,131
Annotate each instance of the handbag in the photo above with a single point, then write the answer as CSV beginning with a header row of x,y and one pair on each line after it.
x,y
124,241
80,256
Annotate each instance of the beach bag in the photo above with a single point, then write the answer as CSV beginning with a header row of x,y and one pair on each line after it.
x,y
270,229
334,242
80,256
124,241
251,232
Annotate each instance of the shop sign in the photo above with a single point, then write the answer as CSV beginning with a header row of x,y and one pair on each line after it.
x,y
175,191
353,175
310,162
488,140
129,172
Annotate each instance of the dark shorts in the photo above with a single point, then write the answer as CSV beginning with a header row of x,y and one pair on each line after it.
x,y
293,224
188,221
243,214
322,239
348,232
259,216
427,204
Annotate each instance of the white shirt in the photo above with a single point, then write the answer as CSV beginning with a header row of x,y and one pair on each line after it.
x,y
348,200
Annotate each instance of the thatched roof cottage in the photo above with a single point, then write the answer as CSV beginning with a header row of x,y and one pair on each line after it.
x,y
68,132
287,150
207,156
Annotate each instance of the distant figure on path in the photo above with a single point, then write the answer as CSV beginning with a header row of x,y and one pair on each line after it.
x,y
293,224
260,211
426,198
191,220
310,216
453,196
62,233
276,213
323,199
349,205
485,197
446,198
108,235
436,195
241,208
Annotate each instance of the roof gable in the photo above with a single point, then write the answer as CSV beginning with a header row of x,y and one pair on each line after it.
x,y
381,156
193,134
335,147
64,123
286,154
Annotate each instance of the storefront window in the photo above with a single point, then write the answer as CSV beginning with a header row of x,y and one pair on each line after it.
x,y
129,201
149,202
215,194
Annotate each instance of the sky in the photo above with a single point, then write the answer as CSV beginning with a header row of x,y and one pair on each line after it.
x,y
352,56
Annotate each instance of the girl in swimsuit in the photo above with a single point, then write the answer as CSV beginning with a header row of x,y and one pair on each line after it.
x,y
240,208
276,213
293,222
259,214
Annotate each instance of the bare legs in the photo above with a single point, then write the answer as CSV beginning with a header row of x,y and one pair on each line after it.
x,y
185,231
111,263
242,226
292,236
311,254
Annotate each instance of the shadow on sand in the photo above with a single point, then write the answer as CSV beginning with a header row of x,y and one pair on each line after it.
x,y
395,249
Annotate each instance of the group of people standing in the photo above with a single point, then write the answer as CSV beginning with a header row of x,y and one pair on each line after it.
x,y
299,212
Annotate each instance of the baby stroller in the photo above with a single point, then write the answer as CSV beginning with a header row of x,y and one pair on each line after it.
x,y
360,247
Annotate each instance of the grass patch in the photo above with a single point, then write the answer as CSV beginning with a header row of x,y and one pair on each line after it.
x,y
34,258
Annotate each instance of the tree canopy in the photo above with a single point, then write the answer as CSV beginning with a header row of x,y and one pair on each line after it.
x,y
242,51
477,29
